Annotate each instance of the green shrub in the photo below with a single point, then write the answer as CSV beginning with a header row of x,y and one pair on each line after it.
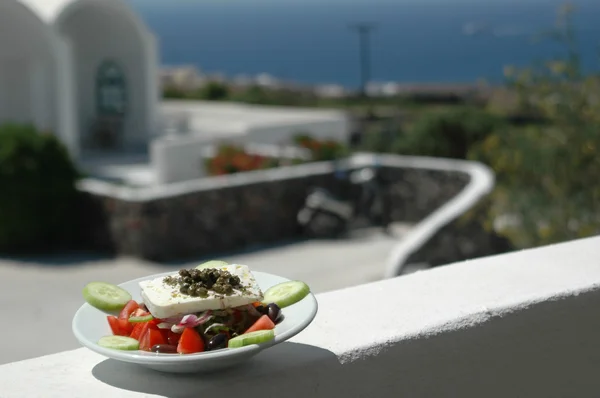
x,y
447,134
37,190
214,91
548,174
321,150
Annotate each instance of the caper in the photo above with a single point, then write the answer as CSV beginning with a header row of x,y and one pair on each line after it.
x,y
234,280
192,292
188,279
184,272
202,292
184,288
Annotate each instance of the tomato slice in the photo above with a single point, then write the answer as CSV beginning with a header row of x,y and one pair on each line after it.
x,y
151,337
119,327
129,308
165,334
190,342
139,329
173,338
126,326
263,323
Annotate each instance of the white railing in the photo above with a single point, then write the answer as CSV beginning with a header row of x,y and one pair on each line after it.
x,y
523,324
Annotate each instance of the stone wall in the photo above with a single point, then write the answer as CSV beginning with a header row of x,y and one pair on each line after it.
x,y
465,238
231,216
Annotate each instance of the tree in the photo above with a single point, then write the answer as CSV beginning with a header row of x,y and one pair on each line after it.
x,y
549,175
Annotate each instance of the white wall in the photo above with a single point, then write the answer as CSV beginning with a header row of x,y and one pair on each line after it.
x,y
27,69
99,33
178,159
182,158
283,133
518,325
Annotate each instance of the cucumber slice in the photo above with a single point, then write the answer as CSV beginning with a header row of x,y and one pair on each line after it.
x,y
119,343
260,336
212,264
286,293
105,296
138,319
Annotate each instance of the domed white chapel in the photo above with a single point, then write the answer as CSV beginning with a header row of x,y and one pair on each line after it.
x,y
85,70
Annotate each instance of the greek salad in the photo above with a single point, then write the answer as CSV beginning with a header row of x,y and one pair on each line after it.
x,y
213,306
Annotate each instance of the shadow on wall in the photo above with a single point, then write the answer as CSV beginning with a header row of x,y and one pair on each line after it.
x,y
295,357
544,351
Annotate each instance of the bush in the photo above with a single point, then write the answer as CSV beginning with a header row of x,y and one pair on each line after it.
x,y
548,174
214,91
37,194
234,159
321,150
447,134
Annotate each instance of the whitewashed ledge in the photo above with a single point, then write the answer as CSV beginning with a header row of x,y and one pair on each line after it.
x,y
525,324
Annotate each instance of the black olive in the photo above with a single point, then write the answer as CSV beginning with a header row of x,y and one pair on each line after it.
x,y
273,311
262,309
184,272
217,342
164,349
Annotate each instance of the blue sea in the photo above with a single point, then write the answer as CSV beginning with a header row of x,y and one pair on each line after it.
x,y
309,41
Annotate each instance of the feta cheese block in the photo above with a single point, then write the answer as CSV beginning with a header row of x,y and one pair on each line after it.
x,y
164,300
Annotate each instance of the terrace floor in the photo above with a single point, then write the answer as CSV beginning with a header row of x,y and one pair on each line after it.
x,y
40,296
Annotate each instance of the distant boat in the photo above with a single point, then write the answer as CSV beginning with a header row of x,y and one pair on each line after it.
x,y
476,29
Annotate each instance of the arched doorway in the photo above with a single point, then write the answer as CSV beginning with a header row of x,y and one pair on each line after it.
x,y
111,105
114,65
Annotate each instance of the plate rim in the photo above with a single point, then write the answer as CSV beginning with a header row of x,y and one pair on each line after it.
x,y
135,356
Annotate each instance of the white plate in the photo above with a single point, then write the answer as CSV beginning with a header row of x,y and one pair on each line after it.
x,y
89,324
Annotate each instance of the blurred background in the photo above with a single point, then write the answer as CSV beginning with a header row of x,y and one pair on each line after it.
x,y
309,139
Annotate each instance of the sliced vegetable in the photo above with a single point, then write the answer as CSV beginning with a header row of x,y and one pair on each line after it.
x,y
173,338
260,336
212,264
286,293
129,309
191,321
190,342
152,337
119,327
105,296
139,329
119,343
216,328
139,312
143,318
263,323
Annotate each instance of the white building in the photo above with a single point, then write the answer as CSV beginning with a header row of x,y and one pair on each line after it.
x,y
83,69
